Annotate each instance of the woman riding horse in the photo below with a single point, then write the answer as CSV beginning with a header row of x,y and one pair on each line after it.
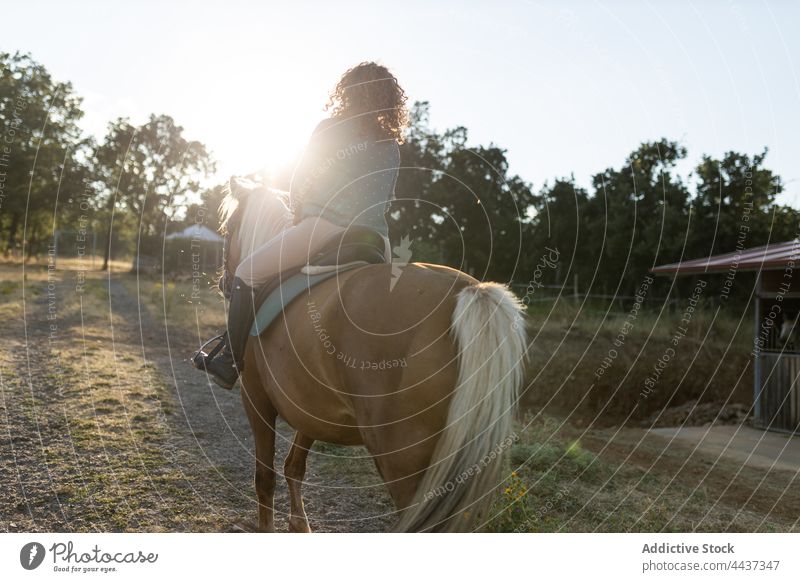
x,y
423,370
346,178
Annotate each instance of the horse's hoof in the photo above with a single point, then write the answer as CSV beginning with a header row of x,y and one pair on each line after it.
x,y
299,525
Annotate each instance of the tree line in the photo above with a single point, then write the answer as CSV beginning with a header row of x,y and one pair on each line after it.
x,y
458,204
127,186
468,211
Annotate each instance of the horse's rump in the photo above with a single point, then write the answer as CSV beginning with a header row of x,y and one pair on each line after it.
x,y
344,348
360,361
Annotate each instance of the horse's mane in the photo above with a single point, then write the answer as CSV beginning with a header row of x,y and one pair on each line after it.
x,y
263,212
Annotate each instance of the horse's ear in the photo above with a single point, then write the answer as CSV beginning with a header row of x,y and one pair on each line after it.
x,y
235,189
240,188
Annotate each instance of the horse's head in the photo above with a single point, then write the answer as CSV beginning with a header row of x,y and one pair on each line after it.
x,y
251,213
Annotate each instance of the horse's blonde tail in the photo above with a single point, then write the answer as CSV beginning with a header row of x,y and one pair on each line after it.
x,y
456,489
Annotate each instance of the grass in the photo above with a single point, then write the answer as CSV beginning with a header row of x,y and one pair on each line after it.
x,y
593,366
355,462
100,415
127,435
182,303
7,288
559,478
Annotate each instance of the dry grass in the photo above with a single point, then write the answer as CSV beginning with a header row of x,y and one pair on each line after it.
x,y
91,446
570,347
188,308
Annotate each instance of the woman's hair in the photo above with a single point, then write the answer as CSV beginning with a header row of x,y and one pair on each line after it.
x,y
370,92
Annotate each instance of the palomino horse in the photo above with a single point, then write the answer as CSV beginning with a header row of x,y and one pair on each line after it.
x,y
426,376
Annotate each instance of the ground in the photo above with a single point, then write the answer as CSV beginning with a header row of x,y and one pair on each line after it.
x,y
104,426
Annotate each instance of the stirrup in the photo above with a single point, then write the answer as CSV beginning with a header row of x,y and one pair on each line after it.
x,y
200,357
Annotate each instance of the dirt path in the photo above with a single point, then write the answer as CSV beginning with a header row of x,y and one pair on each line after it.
x,y
732,495
756,448
104,425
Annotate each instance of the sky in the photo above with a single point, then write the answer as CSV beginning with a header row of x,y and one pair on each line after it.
x,y
567,88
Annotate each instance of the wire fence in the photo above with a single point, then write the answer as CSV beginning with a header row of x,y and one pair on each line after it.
x,y
548,293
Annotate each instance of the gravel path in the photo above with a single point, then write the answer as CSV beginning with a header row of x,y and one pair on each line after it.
x,y
212,422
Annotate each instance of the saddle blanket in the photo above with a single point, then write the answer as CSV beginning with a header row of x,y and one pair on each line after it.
x,y
289,288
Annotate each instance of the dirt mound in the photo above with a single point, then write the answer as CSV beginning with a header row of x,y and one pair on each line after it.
x,y
690,413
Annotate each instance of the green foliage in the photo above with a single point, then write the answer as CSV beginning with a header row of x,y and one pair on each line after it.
x,y
643,214
734,202
54,178
40,150
460,206
205,212
147,172
457,203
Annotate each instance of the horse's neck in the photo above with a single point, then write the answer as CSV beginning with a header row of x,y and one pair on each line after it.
x,y
265,217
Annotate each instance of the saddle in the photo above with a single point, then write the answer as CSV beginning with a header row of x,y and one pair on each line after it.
x,y
355,247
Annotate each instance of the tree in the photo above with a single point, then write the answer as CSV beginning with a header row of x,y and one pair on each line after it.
x,y
204,212
560,223
638,215
734,203
147,172
458,204
422,157
39,119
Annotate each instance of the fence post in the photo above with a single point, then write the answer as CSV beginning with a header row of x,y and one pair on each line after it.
x,y
757,388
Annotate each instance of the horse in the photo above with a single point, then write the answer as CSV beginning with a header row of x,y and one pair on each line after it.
x,y
789,330
421,364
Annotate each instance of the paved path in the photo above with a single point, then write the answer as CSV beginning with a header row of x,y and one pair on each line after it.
x,y
752,447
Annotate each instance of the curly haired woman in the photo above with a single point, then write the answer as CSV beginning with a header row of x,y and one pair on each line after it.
x,y
346,177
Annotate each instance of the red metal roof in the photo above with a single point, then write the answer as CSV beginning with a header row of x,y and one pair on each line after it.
x,y
769,257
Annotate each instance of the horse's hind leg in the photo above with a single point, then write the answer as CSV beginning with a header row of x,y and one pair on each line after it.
x,y
262,414
294,470
265,477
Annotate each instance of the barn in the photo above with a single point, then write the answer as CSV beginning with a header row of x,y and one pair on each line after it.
x,y
776,338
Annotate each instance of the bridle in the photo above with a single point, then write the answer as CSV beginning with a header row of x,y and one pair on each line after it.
x,y
200,357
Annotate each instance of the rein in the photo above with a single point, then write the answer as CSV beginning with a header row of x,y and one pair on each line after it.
x,y
225,280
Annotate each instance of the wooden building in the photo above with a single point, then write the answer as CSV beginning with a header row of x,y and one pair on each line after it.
x,y
776,337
